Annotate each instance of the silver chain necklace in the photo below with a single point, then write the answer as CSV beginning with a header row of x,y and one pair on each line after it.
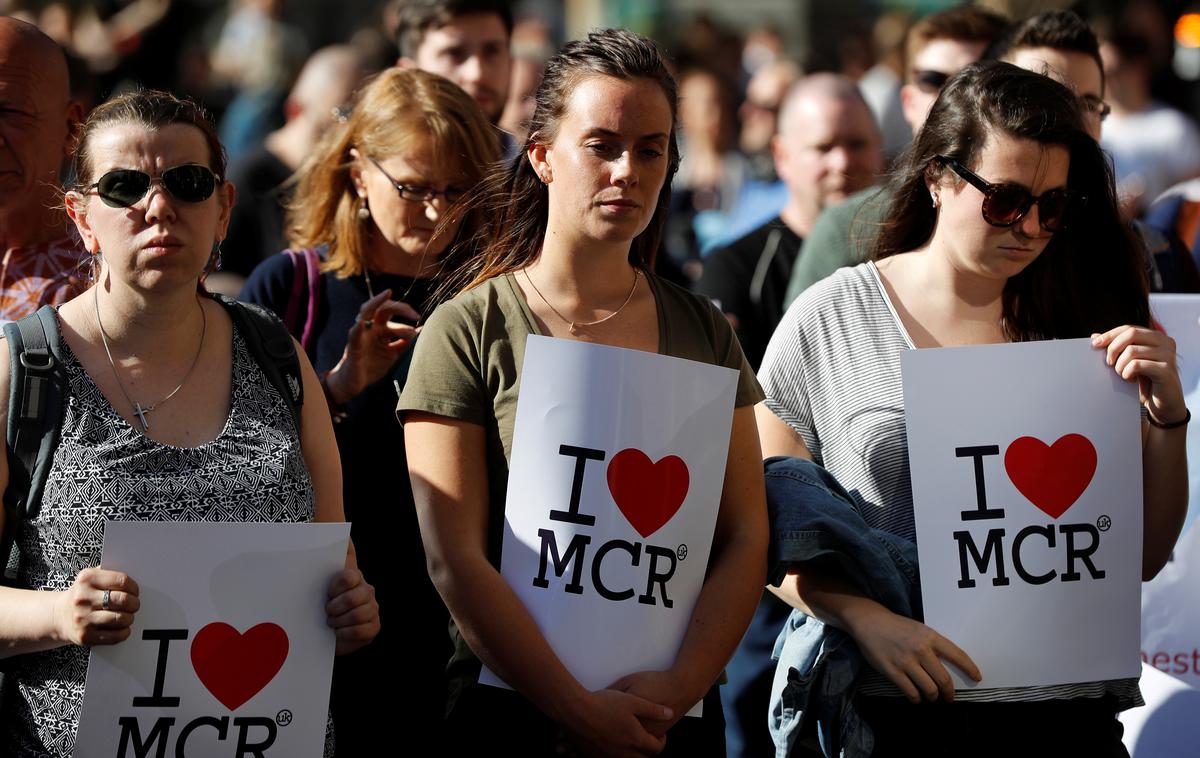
x,y
138,409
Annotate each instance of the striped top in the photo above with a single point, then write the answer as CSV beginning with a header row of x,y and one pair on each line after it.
x,y
832,373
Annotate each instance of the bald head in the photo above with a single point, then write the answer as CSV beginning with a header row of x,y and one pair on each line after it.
x,y
327,81
36,119
828,146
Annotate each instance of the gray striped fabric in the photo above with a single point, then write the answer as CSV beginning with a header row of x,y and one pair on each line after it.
x,y
832,372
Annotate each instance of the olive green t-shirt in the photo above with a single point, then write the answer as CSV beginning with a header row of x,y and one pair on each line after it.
x,y
466,365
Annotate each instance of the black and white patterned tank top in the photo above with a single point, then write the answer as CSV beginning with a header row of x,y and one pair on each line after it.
x,y
104,469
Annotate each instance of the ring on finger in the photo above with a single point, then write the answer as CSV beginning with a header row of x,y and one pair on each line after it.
x,y
366,322
106,599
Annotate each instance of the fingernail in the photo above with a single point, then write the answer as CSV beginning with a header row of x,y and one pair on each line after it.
x,y
1095,340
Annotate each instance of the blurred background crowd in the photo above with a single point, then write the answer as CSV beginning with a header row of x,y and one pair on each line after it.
x,y
788,108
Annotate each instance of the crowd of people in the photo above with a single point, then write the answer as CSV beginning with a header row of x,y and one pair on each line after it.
x,y
410,225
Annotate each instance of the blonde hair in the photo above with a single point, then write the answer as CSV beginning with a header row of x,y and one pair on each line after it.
x,y
398,108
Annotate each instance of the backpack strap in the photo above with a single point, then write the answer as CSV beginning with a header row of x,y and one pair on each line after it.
x,y
37,388
271,344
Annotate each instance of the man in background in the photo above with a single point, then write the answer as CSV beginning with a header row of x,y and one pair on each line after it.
x,y
938,47
256,228
466,41
44,261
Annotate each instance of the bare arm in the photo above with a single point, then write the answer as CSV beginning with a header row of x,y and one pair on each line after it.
x,y
906,651
31,621
1147,356
732,587
446,463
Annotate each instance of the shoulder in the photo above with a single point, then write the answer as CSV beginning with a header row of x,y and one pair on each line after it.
x,y
680,303
843,295
270,281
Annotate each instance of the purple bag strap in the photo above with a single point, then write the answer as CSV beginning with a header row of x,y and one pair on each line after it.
x,y
306,279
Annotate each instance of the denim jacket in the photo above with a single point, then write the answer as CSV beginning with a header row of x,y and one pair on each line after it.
x,y
814,520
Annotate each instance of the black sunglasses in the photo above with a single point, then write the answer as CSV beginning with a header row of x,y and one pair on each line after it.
x,y
191,183
930,80
417,194
1006,204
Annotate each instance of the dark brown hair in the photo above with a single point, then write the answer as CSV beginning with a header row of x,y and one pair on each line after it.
x,y
1064,31
1090,277
153,109
965,24
514,199
420,16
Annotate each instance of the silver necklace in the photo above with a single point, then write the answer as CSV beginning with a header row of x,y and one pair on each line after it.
x,y
574,326
138,409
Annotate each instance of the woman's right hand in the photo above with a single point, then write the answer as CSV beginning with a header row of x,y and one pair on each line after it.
x,y
609,722
372,346
80,615
907,652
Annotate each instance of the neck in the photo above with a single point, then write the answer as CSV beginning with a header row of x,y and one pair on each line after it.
x,y
140,323
292,143
961,291
592,275
799,216
380,256
26,227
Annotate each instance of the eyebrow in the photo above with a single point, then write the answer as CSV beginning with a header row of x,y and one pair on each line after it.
x,y
597,131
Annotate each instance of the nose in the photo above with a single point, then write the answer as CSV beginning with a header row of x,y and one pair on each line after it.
x,y
1030,224
435,207
623,173
471,70
838,159
160,206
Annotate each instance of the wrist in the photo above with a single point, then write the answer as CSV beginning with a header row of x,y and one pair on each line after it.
x,y
337,394
1177,421
568,707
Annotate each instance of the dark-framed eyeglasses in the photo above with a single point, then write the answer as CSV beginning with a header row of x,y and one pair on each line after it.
x,y
1095,106
418,194
121,188
1006,204
930,80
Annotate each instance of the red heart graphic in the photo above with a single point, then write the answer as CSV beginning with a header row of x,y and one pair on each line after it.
x,y
647,493
235,667
1051,476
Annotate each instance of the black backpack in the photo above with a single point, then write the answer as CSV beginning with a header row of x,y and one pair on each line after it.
x,y
38,387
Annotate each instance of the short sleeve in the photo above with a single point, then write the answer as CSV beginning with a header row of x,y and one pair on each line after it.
x,y
729,352
446,375
783,379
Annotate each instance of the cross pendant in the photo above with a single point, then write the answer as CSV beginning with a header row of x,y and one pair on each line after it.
x,y
141,412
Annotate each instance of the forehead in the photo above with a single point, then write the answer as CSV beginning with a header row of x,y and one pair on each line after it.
x,y
630,107
132,145
1076,70
467,29
29,78
822,119
948,56
1005,158
418,162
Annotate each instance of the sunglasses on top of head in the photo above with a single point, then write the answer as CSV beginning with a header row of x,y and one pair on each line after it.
x,y
190,183
1006,204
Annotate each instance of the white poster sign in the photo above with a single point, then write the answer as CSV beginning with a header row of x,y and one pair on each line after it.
x,y
617,465
1170,611
230,652
1027,484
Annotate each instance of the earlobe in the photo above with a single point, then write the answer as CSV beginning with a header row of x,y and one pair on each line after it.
x,y
356,179
77,211
538,155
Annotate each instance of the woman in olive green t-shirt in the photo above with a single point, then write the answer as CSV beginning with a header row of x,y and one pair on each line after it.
x,y
572,243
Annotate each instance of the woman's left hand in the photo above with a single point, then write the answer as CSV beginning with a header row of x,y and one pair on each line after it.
x,y
352,612
1146,356
661,687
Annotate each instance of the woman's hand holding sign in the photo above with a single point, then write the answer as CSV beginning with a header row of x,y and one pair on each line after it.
x,y
97,609
352,611
908,652
1147,356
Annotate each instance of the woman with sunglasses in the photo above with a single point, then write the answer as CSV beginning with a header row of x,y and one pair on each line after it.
x,y
1004,228
162,392
369,225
